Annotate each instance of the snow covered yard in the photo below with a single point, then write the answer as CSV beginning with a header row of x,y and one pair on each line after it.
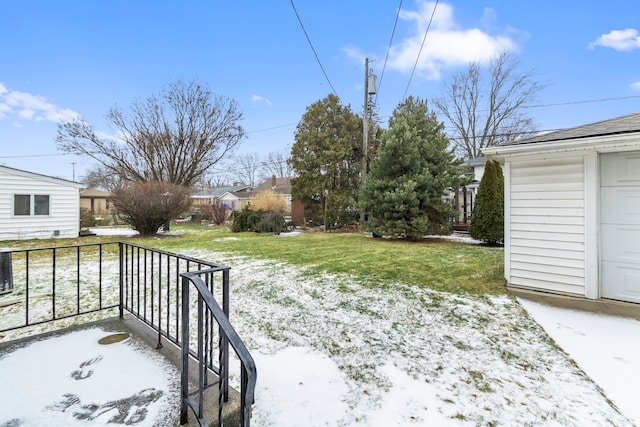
x,y
332,350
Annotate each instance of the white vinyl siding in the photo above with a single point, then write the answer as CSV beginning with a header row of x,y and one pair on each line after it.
x,y
54,206
547,225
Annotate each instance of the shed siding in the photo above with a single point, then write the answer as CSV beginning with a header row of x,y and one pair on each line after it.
x,y
547,225
63,218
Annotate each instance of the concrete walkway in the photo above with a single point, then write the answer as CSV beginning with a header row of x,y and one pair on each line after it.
x,y
608,307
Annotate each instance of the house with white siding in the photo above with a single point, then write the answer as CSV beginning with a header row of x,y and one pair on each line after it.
x,y
34,206
572,210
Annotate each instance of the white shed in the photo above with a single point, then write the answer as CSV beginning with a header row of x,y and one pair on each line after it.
x,y
37,206
572,210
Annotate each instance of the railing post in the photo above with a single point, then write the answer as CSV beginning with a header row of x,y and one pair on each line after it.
x,y
121,279
184,377
53,285
224,363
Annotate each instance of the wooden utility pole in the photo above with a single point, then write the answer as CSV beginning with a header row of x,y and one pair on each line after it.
x,y
365,132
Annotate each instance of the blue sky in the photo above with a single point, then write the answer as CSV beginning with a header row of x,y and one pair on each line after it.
x,y
77,57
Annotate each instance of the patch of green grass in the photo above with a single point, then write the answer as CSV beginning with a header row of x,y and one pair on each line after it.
x,y
431,263
436,264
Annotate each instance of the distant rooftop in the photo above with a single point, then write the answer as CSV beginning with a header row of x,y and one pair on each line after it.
x,y
219,191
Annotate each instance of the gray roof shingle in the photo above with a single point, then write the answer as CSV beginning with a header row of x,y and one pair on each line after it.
x,y
619,125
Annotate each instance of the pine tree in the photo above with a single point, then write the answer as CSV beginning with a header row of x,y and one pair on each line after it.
x,y
326,162
402,196
487,221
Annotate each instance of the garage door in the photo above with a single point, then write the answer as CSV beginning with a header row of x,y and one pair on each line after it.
x,y
620,226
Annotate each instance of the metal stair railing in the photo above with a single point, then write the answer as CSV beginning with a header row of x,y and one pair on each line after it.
x,y
208,312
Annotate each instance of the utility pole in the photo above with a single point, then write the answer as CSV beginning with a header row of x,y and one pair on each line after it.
x,y
369,89
73,165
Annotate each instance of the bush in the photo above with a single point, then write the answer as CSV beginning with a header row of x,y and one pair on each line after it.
x,y
147,206
258,221
487,221
87,219
215,213
268,200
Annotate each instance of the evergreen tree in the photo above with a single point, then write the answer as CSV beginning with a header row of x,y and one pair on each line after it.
x,y
487,221
403,192
326,162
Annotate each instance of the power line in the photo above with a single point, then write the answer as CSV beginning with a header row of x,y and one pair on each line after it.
x,y
313,49
36,155
584,101
420,51
384,66
271,128
559,104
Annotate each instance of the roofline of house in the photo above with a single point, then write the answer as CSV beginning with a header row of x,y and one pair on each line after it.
x,y
601,143
39,176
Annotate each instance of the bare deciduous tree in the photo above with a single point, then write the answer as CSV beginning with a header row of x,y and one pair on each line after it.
x,y
246,168
483,116
174,137
102,178
277,163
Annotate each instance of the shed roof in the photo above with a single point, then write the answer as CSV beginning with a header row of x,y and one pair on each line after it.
x,y
619,125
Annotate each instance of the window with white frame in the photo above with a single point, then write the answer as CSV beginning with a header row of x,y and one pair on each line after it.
x,y
31,204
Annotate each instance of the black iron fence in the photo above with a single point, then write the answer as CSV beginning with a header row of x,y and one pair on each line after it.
x,y
89,280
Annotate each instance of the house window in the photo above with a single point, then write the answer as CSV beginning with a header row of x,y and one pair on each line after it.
x,y
40,204
22,204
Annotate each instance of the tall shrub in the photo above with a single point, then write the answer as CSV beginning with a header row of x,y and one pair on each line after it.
x,y
147,206
402,196
487,221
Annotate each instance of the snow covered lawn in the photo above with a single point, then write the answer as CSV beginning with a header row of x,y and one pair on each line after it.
x,y
334,351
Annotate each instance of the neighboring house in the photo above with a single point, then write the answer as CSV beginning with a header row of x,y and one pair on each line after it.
x,y
235,201
37,206
238,196
463,200
227,194
97,202
572,210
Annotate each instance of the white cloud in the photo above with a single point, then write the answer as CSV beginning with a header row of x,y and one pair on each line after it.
x,y
26,106
257,99
622,40
636,86
447,44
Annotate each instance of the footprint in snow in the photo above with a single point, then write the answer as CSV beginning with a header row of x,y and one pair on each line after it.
x,y
83,373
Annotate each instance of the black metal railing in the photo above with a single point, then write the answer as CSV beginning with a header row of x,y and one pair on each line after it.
x,y
56,283
208,314
151,287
